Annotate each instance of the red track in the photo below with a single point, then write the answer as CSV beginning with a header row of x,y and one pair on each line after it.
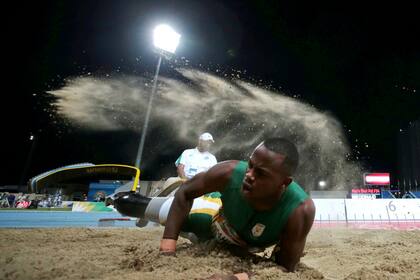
x,y
394,225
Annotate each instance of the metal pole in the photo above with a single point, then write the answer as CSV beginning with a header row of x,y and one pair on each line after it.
x,y
146,121
28,161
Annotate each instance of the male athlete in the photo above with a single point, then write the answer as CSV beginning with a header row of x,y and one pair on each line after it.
x,y
257,205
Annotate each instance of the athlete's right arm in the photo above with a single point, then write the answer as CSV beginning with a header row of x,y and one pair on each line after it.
x,y
213,180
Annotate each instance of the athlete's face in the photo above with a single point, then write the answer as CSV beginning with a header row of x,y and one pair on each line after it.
x,y
264,177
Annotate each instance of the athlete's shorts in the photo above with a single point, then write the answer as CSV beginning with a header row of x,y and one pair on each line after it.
x,y
201,216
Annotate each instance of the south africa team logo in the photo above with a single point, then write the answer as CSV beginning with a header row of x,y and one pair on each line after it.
x,y
258,230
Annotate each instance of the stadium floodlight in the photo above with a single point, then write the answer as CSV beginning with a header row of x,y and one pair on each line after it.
x,y
165,38
322,184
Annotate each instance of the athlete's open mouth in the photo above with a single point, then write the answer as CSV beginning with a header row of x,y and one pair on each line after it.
x,y
246,187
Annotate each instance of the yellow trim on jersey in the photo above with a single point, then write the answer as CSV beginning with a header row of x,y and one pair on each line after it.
x,y
212,199
208,211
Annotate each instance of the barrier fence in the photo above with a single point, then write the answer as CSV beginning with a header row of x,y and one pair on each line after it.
x,y
368,213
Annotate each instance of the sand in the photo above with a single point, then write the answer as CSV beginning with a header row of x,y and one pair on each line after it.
x,y
110,253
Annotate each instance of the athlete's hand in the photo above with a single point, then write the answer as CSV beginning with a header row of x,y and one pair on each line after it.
x,y
167,247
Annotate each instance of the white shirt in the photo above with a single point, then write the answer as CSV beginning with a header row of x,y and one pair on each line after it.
x,y
195,162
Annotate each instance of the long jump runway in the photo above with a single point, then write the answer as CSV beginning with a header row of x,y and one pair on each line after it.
x,y
55,219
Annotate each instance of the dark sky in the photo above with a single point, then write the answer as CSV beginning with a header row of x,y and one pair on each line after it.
x,y
359,62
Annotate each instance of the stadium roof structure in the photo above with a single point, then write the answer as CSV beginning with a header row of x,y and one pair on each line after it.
x,y
84,172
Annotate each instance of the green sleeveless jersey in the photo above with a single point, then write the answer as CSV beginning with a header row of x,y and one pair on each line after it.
x,y
258,228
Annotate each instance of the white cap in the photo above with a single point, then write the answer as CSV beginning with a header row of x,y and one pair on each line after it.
x,y
206,137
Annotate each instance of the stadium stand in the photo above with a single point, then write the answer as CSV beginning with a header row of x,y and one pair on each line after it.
x,y
387,194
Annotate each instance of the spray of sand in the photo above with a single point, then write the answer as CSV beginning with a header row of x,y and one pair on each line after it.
x,y
237,113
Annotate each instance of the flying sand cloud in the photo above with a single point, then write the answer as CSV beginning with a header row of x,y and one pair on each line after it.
x,y
237,113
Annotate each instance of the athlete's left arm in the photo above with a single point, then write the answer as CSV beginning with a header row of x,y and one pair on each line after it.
x,y
289,250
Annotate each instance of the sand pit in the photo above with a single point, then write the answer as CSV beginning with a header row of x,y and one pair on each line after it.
x,y
337,253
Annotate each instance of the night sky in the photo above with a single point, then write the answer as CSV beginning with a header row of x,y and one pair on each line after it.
x,y
360,63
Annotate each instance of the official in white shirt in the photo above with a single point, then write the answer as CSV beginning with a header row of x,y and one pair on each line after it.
x,y
199,159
